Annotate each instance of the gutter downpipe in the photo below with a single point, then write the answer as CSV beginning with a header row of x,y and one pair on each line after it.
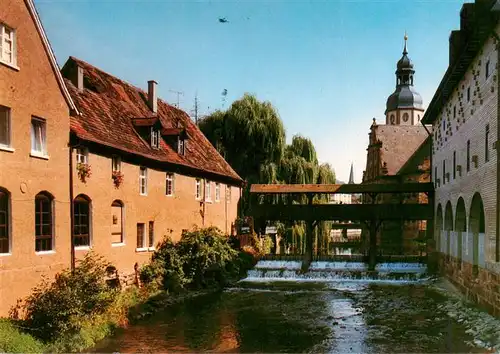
x,y
431,223
497,148
72,221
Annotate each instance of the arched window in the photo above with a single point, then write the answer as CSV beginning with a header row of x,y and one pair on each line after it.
x,y
81,216
44,230
405,117
4,221
117,222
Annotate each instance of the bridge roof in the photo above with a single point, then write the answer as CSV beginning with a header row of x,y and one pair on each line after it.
x,y
341,188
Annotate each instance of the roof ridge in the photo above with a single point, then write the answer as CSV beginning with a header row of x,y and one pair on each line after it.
x,y
75,59
50,54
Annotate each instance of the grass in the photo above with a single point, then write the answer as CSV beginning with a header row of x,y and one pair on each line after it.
x,y
12,340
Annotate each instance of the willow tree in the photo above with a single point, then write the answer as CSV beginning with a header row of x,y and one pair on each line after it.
x,y
326,175
250,134
251,137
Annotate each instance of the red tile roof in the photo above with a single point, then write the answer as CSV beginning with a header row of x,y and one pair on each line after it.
x,y
399,143
108,105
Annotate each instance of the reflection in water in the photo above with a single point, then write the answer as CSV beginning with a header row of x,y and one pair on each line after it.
x,y
302,317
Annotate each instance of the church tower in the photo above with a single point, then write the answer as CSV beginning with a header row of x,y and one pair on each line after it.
x,y
404,106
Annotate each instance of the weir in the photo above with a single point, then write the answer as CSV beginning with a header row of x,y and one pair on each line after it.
x,y
326,271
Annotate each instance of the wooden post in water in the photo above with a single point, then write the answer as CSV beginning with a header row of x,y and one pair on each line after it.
x,y
372,251
308,256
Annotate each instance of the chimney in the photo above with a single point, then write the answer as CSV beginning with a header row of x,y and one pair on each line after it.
x,y
152,99
79,78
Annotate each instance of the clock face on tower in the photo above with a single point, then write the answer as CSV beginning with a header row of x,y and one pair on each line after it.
x,y
405,117
393,119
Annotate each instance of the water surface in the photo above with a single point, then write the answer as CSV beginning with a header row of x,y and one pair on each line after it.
x,y
337,317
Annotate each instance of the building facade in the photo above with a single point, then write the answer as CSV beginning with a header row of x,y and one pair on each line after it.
x,y
398,152
34,175
464,113
88,162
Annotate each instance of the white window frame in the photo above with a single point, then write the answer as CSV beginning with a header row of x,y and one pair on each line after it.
x,y
8,145
208,191
198,189
169,180
82,155
116,164
181,146
143,181
217,192
3,40
155,138
43,137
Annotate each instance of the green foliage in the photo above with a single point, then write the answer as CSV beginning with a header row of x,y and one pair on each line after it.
x,y
165,270
12,340
207,256
203,258
302,147
263,245
59,308
250,133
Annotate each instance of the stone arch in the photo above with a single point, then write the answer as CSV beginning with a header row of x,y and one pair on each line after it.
x,y
439,227
477,226
448,226
460,226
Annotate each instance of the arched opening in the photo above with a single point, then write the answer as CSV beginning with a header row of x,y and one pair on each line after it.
x,y
460,228
117,222
439,228
477,231
44,223
448,228
81,216
4,221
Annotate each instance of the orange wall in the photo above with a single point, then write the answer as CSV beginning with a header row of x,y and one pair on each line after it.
x,y
32,90
171,214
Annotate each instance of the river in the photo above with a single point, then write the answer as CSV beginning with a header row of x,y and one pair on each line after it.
x,y
315,317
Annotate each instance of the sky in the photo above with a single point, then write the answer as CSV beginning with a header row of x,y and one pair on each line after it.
x,y
326,66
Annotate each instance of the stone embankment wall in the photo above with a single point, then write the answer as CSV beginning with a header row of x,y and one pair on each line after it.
x,y
480,285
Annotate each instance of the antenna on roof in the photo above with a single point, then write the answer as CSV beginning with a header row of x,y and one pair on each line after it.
x,y
178,94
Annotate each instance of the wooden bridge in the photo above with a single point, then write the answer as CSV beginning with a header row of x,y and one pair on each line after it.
x,y
370,214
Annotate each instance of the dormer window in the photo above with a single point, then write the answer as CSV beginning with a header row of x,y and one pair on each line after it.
x,y
181,146
155,138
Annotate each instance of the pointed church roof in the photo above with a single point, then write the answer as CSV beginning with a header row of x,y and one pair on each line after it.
x,y
351,175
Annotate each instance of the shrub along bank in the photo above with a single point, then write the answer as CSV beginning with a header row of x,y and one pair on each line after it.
x,y
78,309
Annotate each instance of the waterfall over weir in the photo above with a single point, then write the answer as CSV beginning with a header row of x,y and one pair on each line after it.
x,y
270,271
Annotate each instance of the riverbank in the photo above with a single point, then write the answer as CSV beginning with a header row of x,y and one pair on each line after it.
x,y
132,305
81,307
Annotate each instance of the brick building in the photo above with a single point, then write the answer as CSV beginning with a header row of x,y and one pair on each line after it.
x,y
464,113
86,158
399,151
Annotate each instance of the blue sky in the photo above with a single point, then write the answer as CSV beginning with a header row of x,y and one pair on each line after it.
x,y
326,66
